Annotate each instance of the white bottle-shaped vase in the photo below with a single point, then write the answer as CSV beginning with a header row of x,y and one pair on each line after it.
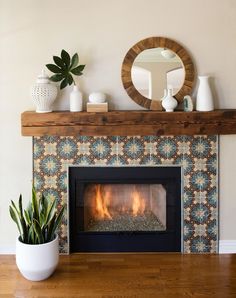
x,y
165,94
76,100
169,103
204,101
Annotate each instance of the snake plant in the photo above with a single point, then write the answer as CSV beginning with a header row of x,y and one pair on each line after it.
x,y
37,224
64,69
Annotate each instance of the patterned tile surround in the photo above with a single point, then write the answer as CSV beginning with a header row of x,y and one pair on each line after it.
x,y
197,155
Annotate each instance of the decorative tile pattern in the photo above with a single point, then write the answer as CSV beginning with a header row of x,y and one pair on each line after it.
x,y
197,155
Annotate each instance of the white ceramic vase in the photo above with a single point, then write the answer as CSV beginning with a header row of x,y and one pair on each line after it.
x,y
76,100
43,94
204,101
37,261
169,103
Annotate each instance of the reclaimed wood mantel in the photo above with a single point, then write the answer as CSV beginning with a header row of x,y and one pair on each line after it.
x,y
128,123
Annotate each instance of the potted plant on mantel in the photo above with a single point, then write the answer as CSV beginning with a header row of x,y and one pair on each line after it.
x,y
64,69
37,251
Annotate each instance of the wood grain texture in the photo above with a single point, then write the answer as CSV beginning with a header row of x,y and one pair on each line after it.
x,y
149,43
127,275
128,123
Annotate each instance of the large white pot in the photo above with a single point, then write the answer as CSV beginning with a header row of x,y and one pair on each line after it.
x,y
37,261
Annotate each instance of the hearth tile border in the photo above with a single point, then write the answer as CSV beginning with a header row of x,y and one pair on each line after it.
x,y
196,155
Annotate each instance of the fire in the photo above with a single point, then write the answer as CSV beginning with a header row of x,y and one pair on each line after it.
x,y
138,204
105,204
102,203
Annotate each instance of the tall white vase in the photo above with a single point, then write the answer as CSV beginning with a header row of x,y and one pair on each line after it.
x,y
204,100
76,100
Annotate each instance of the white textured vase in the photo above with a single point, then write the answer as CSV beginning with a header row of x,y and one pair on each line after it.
x,y
37,261
204,101
169,103
76,100
43,94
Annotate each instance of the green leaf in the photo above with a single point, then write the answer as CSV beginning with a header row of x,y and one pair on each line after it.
x,y
35,206
65,57
50,212
57,77
70,79
78,70
53,68
57,222
15,219
64,83
59,62
38,231
74,61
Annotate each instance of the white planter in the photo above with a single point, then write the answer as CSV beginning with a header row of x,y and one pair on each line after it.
x,y
204,100
37,262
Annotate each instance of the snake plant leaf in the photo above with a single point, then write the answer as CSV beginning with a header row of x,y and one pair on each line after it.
x,y
50,235
64,83
50,212
65,57
78,70
27,217
35,206
57,221
38,231
57,77
53,68
59,62
74,61
13,215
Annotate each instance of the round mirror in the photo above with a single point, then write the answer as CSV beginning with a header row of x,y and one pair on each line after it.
x,y
155,64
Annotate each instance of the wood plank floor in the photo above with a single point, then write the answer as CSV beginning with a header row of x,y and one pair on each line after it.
x,y
127,275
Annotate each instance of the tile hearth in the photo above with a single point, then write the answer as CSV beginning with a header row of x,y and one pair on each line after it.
x,y
197,156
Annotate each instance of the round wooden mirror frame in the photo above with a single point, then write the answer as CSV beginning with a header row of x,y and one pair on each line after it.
x,y
149,43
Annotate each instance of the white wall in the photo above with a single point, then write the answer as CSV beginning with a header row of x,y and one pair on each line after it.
x,y
31,31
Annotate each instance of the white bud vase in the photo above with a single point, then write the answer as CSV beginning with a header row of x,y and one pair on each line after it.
x,y
204,100
169,103
76,100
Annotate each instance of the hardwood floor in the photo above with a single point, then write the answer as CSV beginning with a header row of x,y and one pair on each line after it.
x,y
127,275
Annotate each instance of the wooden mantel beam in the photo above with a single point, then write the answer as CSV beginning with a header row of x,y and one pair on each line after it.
x,y
128,123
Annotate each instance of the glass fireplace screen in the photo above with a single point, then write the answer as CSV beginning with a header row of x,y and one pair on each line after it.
x,y
124,207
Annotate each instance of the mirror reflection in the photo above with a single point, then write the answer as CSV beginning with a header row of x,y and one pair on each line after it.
x,y
157,69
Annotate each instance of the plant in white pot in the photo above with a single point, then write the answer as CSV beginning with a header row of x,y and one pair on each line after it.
x,y
64,69
37,251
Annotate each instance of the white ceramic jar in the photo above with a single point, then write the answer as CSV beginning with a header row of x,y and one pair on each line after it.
x,y
43,94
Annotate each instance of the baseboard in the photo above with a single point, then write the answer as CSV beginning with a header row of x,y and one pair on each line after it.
x,y
7,250
227,246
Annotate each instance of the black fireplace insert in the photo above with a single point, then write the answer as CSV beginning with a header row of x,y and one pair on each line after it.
x,y
125,209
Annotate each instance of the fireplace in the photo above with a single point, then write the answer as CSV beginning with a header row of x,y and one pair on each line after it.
x,y
197,156
121,209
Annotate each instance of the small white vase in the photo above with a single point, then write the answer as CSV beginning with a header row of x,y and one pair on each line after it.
x,y
204,101
43,94
37,261
76,100
169,103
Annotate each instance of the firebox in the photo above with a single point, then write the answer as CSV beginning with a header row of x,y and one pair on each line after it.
x,y
122,209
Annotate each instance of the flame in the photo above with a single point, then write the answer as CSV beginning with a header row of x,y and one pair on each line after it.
x,y
138,204
102,203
